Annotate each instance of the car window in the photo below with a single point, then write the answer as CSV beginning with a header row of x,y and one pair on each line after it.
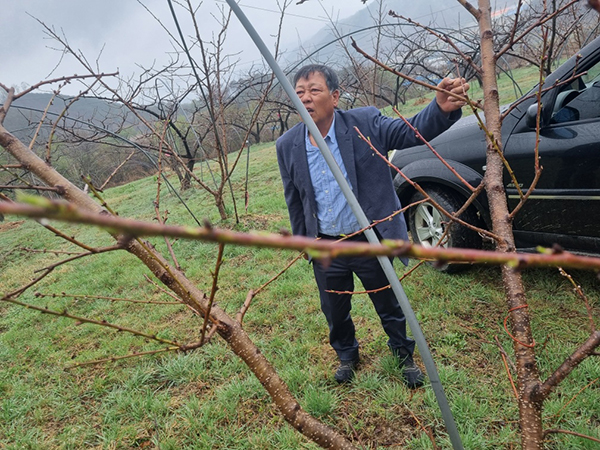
x,y
580,99
592,75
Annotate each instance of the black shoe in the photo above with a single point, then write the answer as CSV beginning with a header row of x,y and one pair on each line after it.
x,y
413,376
345,372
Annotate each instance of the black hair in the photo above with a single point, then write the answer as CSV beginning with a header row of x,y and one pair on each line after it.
x,y
330,76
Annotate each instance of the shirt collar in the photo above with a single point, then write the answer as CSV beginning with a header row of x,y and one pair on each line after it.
x,y
330,134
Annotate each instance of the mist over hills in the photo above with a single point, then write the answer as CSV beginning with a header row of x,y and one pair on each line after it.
x,y
442,14
26,112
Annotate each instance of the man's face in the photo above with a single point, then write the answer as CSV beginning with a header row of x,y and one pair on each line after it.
x,y
317,99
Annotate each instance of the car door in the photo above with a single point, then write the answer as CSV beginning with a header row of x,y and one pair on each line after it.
x,y
564,207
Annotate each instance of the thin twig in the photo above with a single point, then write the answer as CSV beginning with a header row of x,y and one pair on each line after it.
x,y
441,37
67,238
573,433
425,429
374,291
508,315
170,294
45,250
62,79
119,358
354,432
579,291
214,289
575,396
58,190
254,292
102,323
10,96
82,255
181,348
114,172
127,236
61,115
100,297
41,121
96,193
513,105
157,200
536,151
18,292
508,372
528,30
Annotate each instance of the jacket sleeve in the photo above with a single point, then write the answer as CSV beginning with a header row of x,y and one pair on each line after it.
x,y
291,193
430,123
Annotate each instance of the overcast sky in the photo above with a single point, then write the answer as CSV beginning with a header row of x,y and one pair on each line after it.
x,y
122,33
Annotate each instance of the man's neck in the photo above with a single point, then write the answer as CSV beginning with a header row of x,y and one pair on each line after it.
x,y
323,130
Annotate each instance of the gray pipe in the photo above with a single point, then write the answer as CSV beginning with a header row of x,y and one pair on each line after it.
x,y
386,264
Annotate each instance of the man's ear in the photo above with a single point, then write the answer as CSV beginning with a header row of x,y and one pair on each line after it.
x,y
336,97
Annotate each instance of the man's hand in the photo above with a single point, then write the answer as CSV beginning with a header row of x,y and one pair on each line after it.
x,y
445,101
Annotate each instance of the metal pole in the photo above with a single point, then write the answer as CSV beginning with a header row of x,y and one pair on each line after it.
x,y
364,223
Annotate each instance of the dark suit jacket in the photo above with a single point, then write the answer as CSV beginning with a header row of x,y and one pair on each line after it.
x,y
369,175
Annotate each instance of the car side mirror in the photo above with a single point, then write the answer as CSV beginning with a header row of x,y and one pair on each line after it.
x,y
531,116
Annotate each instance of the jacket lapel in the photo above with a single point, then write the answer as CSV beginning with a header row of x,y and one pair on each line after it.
x,y
300,158
344,137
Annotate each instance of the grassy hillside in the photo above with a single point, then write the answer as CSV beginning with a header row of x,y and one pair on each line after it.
x,y
208,399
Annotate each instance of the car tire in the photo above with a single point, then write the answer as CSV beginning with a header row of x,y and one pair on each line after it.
x,y
426,224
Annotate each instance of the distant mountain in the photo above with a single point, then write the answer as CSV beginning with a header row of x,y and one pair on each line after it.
x,y
26,112
444,14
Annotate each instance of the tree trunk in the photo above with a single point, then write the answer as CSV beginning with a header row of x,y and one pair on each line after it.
x,y
530,410
257,134
220,202
186,182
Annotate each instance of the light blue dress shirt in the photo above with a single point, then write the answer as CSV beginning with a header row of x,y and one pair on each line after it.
x,y
333,211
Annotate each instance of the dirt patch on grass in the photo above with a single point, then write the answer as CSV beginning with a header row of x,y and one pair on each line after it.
x,y
259,221
375,431
10,225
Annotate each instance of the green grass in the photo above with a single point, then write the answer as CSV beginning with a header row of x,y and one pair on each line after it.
x,y
208,399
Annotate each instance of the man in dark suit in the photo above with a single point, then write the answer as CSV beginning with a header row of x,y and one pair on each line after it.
x,y
317,207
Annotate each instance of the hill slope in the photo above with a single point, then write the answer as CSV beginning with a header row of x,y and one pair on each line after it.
x,y
207,399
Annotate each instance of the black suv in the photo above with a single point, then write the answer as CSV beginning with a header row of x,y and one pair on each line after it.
x,y
563,209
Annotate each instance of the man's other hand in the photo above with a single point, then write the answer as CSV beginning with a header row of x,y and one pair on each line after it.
x,y
447,102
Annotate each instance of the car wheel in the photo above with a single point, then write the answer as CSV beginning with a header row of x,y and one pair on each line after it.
x,y
427,225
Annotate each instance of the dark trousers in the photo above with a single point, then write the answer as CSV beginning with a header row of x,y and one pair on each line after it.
x,y
337,276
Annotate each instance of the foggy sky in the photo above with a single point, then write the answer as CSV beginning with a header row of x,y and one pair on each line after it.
x,y
123,35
